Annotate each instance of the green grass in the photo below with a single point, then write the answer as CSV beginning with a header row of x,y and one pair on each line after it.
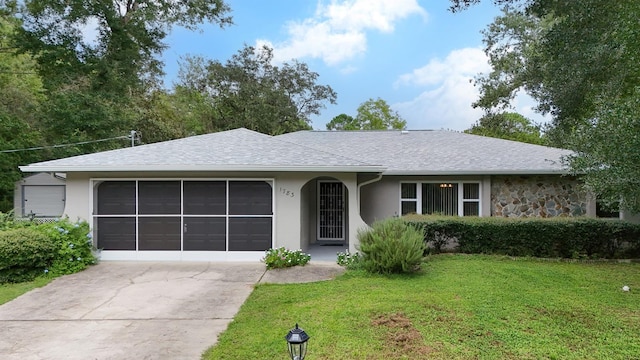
x,y
458,307
9,292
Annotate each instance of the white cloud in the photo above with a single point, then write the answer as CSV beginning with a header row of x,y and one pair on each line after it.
x,y
449,92
337,31
467,63
446,101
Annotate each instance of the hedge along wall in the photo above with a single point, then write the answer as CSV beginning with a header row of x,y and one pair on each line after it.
x,y
537,196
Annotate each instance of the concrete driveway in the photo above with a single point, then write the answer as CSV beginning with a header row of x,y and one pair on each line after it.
x,y
126,310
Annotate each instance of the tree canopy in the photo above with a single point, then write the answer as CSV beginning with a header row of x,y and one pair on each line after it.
x,y
21,98
59,86
579,61
250,91
130,36
509,126
373,114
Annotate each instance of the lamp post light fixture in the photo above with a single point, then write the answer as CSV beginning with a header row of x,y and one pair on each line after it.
x,y
297,341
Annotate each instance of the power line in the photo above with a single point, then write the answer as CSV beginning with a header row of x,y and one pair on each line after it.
x,y
66,145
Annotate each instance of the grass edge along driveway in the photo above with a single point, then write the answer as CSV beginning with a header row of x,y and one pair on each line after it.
x,y
457,307
9,292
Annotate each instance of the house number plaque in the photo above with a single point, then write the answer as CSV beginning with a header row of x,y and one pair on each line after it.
x,y
286,192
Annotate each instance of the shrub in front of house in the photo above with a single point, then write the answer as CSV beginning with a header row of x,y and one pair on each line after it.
x,y
391,246
281,258
29,249
552,238
8,221
24,254
74,246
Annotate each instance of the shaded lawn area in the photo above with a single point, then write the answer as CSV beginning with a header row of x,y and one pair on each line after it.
x,y
458,307
9,292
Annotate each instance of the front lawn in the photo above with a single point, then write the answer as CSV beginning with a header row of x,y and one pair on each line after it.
x,y
458,307
9,292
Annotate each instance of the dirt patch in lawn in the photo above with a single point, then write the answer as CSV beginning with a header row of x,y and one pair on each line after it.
x,y
401,337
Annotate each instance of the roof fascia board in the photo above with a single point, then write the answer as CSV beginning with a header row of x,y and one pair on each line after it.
x,y
479,172
256,168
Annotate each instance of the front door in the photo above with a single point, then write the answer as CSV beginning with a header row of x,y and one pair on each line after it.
x,y
331,211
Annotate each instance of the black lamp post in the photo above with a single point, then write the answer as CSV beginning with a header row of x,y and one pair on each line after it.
x,y
297,341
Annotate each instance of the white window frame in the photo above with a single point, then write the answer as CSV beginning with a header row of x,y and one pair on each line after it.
x,y
461,199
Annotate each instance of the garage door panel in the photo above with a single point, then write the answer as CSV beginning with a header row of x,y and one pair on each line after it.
x,y
204,234
117,198
159,197
250,198
116,233
159,233
205,197
250,234
189,215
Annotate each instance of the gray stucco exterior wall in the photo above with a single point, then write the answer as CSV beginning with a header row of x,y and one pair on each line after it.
x,y
381,199
508,195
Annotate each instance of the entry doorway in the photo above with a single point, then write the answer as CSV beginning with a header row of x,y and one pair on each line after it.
x,y
331,212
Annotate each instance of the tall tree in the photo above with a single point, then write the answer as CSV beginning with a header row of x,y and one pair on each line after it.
x,y
509,126
343,122
130,37
21,96
378,115
579,60
99,87
250,91
373,114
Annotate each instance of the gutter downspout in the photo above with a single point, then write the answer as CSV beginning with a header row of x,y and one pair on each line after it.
x,y
376,179
353,245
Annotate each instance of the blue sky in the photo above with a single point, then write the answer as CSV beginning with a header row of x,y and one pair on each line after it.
x,y
415,54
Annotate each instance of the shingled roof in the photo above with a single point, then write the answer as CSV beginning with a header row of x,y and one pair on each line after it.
x,y
426,152
233,150
389,152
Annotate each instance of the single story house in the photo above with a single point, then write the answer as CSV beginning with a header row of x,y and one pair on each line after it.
x,y
234,194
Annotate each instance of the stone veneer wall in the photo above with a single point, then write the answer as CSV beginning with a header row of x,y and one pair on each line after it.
x,y
537,196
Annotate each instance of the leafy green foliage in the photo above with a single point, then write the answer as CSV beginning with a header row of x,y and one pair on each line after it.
x,y
21,96
459,5
609,152
129,39
56,248
579,61
281,258
372,115
249,91
343,122
391,246
549,238
78,114
24,254
96,89
509,126
74,249
8,221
